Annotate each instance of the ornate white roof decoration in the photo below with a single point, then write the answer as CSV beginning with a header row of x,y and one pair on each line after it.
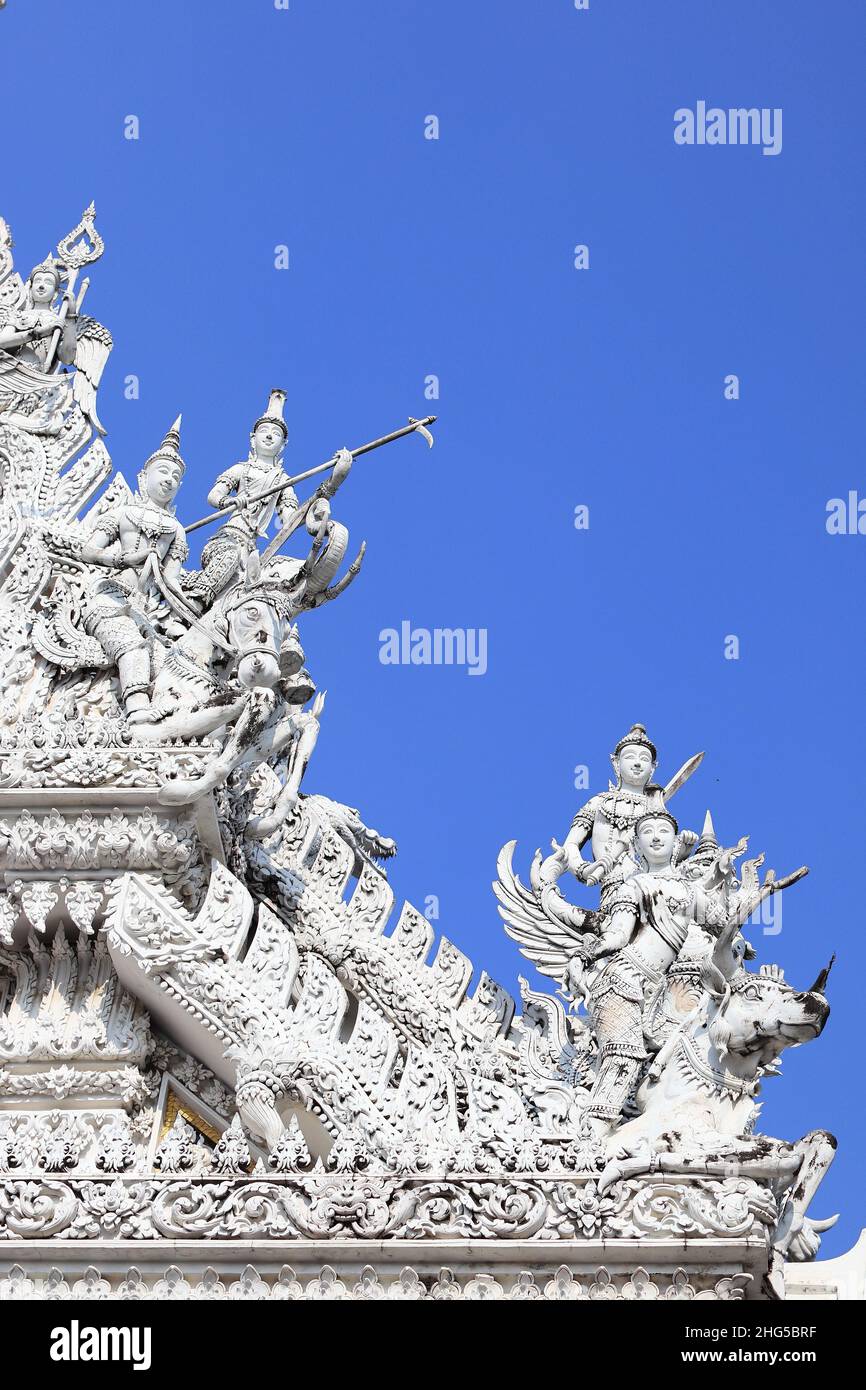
x,y
215,1022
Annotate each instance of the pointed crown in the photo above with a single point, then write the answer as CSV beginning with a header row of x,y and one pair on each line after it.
x,y
51,266
168,449
274,412
636,734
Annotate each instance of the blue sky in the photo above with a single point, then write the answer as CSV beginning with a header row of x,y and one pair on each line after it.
x,y
604,387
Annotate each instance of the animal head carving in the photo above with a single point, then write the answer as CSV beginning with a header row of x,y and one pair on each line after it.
x,y
256,622
753,1017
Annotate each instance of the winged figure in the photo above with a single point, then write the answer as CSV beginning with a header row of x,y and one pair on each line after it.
x,y
616,961
51,355
549,930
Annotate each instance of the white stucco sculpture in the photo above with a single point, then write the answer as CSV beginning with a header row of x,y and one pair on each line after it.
x,y
230,1065
675,1032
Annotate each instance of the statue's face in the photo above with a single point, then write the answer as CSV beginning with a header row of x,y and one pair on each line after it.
x,y
635,764
655,841
161,481
43,287
268,440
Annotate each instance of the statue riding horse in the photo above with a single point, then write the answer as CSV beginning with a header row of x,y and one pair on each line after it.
x,y
239,668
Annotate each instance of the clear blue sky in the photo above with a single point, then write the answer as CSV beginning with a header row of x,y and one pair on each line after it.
x,y
604,387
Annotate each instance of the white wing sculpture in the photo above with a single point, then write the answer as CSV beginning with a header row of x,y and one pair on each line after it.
x,y
92,347
548,930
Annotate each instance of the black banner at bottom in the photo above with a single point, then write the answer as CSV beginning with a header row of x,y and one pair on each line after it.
x,y
57,1340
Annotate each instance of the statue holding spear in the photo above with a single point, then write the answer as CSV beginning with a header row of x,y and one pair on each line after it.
x,y
236,493
256,491
237,672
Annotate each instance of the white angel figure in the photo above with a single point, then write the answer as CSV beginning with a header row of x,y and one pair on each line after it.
x,y
617,960
43,335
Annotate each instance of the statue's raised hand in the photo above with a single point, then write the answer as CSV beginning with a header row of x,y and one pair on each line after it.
x,y
593,873
554,866
339,473
342,465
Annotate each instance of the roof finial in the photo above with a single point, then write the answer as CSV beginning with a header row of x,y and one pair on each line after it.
x,y
707,840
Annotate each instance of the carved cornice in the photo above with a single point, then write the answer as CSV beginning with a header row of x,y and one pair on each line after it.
x,y
413,1282
57,753
382,1207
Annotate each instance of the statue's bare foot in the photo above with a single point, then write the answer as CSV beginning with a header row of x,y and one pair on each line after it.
x,y
142,716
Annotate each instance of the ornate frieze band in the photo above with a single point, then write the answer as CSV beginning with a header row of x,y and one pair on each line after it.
x,y
380,1207
407,1284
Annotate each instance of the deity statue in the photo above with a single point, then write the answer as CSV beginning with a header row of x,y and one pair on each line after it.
x,y
126,615
237,487
28,330
659,907
641,932
213,654
608,819
43,334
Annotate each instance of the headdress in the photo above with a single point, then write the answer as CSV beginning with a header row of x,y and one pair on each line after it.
x,y
655,815
169,449
636,734
51,266
274,412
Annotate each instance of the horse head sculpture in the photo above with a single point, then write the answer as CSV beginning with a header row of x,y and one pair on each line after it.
x,y
240,666
258,612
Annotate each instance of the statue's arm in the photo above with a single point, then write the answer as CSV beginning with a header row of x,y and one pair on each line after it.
x,y
13,337
618,930
287,504
586,870
581,830
16,337
68,338
225,484
178,551
96,550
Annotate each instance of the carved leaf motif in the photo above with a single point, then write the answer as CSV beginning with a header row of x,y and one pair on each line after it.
x,y
525,1287
368,1286
41,1208
133,1287
640,1286
83,901
209,1287
563,1285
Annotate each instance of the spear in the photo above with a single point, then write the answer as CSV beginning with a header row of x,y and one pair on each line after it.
x,y
413,427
